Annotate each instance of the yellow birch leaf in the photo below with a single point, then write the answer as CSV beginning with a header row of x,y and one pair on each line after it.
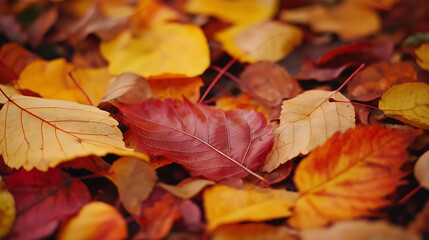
x,y
9,90
409,103
423,56
224,204
269,40
57,84
307,121
95,221
7,210
237,11
41,133
421,170
134,179
189,189
170,48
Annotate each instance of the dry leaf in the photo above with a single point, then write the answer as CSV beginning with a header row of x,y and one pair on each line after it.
x,y
128,88
349,20
165,49
409,103
177,88
7,210
254,231
421,170
16,59
350,175
377,78
134,179
41,133
54,76
91,163
9,91
95,221
360,230
269,40
224,204
306,122
188,189
242,101
422,54
153,12
40,26
236,12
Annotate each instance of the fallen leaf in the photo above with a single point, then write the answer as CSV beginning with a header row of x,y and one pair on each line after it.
x,y
165,49
177,88
7,210
187,189
341,181
41,133
421,170
191,216
374,80
43,199
206,141
243,101
422,54
54,76
236,12
96,220
16,58
420,223
254,231
360,230
347,19
306,122
269,83
91,163
224,204
135,180
310,70
41,25
407,102
268,40
9,91
153,12
128,88
12,29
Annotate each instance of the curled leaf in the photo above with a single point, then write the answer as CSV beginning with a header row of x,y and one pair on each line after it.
x,y
187,189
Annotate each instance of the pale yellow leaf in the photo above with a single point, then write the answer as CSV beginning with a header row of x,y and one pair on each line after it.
x,y
135,180
189,189
9,90
408,102
95,221
7,210
306,122
237,11
421,170
224,204
269,40
41,133
170,48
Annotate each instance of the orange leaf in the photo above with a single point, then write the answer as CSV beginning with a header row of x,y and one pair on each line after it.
x,y
95,221
242,101
16,59
254,231
177,88
350,175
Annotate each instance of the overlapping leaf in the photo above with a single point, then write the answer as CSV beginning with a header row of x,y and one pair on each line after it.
x,y
350,175
206,141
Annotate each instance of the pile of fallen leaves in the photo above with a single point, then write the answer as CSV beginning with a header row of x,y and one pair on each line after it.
x,y
214,119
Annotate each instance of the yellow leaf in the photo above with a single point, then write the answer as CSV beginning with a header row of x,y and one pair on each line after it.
x,y
41,133
254,231
7,210
237,11
169,48
242,101
224,204
153,12
307,121
95,221
269,40
421,170
423,56
349,20
189,189
57,84
9,90
134,179
177,88
409,103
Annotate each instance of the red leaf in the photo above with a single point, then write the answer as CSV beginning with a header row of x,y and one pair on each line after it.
x,y
209,142
43,199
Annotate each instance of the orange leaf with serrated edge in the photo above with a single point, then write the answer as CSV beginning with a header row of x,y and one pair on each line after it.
x,y
350,175
41,133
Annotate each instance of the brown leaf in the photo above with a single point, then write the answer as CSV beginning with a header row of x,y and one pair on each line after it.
x,y
37,29
16,59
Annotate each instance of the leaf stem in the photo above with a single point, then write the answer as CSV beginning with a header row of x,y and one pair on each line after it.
x,y
356,103
410,194
228,74
351,76
80,88
219,75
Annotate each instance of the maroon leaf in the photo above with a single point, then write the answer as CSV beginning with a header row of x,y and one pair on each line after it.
x,y
209,142
43,199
